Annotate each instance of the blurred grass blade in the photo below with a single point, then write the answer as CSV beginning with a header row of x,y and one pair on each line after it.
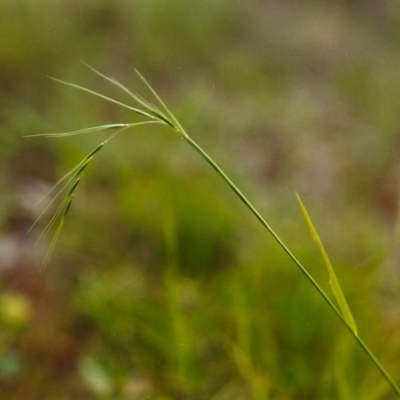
x,y
333,281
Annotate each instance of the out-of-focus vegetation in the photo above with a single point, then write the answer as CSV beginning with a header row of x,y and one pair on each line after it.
x,y
162,285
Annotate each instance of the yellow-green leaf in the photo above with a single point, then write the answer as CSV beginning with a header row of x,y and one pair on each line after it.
x,y
333,282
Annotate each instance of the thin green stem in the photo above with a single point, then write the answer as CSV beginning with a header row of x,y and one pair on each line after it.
x,y
381,368
250,206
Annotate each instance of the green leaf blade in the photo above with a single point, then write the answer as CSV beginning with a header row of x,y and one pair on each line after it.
x,y
333,281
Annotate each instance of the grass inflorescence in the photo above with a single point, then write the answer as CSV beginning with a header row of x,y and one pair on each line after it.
x,y
160,114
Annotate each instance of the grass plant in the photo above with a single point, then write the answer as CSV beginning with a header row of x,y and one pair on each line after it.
x,y
159,113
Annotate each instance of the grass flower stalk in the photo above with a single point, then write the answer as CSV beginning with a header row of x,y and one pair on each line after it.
x,y
160,114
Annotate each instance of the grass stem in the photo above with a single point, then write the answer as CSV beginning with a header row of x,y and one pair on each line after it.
x,y
166,117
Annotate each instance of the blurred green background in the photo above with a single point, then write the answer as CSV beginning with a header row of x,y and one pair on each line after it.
x,y
162,285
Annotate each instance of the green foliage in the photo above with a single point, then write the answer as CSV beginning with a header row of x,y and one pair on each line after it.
x,y
160,113
160,286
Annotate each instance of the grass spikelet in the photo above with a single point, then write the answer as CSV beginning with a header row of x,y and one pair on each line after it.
x,y
64,208
72,179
